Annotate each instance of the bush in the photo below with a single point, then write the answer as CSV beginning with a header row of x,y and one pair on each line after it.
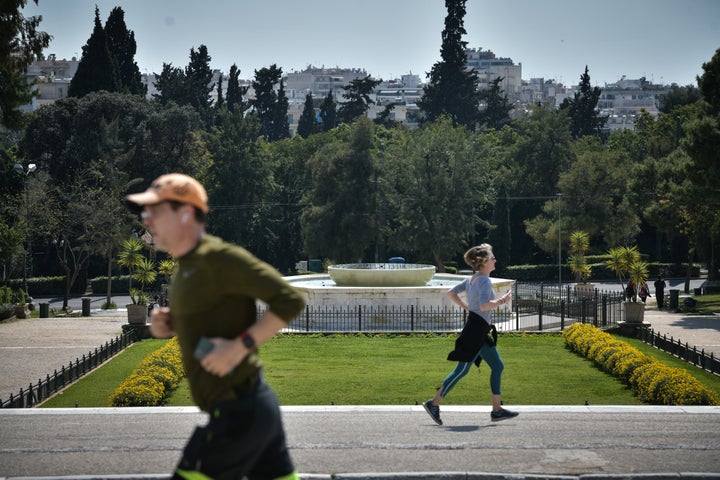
x,y
153,379
7,310
652,381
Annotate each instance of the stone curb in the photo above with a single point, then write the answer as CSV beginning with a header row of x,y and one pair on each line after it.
x,y
426,476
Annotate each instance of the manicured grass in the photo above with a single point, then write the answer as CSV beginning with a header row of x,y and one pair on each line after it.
x,y
405,369
95,388
708,304
402,370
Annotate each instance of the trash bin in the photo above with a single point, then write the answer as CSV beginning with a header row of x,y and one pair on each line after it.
x,y
86,307
315,265
674,297
697,291
44,310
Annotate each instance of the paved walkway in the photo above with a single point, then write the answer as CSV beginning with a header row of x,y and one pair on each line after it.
x,y
33,348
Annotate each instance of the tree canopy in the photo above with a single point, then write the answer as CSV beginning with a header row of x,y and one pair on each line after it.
x,y
20,44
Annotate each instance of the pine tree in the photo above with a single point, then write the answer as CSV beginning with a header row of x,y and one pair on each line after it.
x,y
328,113
171,85
122,46
198,77
453,89
308,124
497,107
709,82
357,93
582,109
97,69
266,98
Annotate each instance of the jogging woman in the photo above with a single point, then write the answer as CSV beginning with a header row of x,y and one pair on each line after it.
x,y
474,344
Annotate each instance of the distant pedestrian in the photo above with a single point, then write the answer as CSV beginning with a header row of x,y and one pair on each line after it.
x,y
643,292
630,291
475,343
660,292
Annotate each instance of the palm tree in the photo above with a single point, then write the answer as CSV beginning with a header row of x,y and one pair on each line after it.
x,y
141,268
145,275
130,255
579,244
627,263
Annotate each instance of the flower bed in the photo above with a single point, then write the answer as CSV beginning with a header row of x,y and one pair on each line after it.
x,y
153,379
652,381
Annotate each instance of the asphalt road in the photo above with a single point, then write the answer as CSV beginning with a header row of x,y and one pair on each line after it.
x,y
361,440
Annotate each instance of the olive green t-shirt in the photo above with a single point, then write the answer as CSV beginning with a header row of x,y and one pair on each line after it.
x,y
213,294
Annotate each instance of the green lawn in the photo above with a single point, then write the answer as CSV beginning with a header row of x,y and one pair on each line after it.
x,y
400,370
94,389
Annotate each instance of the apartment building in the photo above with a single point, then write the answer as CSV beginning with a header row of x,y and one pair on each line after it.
x,y
52,79
624,100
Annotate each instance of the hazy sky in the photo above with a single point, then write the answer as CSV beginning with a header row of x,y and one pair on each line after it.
x,y
666,41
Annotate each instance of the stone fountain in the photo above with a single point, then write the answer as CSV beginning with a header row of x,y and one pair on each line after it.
x,y
394,285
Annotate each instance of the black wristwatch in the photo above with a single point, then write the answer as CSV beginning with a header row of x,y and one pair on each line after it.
x,y
248,341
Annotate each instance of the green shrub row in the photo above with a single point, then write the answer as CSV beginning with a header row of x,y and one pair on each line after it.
x,y
40,286
651,381
47,285
600,272
153,379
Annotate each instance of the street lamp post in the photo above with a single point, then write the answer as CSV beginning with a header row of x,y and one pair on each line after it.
x,y
21,170
559,244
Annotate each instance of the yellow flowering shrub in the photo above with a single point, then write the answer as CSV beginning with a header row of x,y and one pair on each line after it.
x,y
138,390
652,381
152,380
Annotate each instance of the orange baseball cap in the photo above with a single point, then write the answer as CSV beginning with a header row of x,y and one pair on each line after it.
x,y
176,187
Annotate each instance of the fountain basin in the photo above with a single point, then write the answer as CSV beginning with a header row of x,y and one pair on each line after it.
x,y
321,291
381,274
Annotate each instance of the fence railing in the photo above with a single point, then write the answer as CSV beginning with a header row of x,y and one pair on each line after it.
x,y
535,307
539,306
681,350
36,394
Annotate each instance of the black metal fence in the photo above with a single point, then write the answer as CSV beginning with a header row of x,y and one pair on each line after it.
x,y
535,307
36,394
538,306
681,350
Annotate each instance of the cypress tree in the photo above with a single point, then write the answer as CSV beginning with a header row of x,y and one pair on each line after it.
x,y
122,46
234,94
281,126
328,113
308,124
97,69
452,90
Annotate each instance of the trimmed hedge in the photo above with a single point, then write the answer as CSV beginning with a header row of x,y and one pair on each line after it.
x,y
600,272
153,379
652,381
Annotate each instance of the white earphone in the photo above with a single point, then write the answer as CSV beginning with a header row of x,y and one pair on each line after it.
x,y
185,217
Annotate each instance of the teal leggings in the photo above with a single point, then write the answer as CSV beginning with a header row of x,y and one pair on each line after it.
x,y
491,356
